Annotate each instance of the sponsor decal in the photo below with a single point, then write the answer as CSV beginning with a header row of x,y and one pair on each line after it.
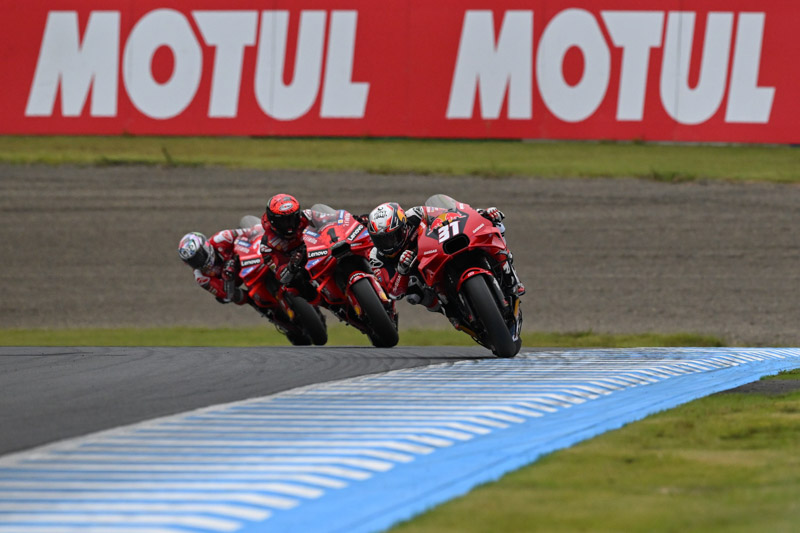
x,y
246,271
429,252
356,276
313,263
613,69
223,236
476,230
251,262
318,253
309,239
356,232
444,218
243,243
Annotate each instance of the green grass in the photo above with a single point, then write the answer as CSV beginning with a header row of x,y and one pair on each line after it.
x,y
724,463
337,336
482,158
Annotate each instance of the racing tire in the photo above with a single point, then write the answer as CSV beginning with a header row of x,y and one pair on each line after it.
x,y
298,338
383,330
488,314
307,319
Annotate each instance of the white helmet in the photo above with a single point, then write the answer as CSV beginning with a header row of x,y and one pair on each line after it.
x,y
196,251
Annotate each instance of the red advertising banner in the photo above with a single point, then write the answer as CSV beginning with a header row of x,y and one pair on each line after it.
x,y
701,70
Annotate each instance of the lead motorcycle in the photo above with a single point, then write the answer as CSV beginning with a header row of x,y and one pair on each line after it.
x,y
295,317
338,249
463,258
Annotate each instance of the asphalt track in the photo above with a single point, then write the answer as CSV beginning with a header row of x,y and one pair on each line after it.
x,y
355,455
96,247
49,394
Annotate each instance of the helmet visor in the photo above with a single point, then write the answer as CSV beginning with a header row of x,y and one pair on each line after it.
x,y
389,242
199,259
286,224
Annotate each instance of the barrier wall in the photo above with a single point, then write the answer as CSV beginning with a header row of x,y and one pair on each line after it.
x,y
702,70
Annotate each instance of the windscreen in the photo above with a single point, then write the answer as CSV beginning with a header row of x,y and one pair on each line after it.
x,y
441,200
322,214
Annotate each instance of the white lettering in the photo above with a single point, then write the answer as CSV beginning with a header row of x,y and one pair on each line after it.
x,y
162,27
230,32
276,99
747,102
77,66
491,69
684,104
636,32
341,98
573,28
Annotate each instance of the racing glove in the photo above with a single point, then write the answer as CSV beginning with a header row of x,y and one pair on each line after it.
x,y
287,275
229,269
406,262
295,265
493,214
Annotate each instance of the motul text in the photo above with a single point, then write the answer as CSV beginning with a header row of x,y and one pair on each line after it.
x,y
721,71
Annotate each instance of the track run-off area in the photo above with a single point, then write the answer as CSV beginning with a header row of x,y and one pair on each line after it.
x,y
361,453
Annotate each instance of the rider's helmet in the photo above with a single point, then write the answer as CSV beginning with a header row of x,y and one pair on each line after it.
x,y
388,228
283,214
196,251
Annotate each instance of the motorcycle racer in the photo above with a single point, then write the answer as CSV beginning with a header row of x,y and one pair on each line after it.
x,y
214,263
394,256
282,245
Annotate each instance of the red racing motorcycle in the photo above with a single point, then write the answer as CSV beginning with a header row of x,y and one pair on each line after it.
x,y
301,322
338,249
463,258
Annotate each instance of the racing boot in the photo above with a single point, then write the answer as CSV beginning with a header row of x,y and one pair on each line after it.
x,y
510,278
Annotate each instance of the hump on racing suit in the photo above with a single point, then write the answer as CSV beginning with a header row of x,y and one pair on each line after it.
x,y
210,277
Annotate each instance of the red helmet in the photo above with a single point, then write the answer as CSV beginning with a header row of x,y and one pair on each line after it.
x,y
283,214
387,227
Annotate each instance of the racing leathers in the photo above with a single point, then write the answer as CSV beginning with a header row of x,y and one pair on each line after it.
x,y
286,256
220,277
398,273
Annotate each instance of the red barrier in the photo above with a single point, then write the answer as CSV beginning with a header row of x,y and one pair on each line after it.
x,y
702,70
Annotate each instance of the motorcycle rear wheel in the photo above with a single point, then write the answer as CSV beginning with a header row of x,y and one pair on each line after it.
x,y
383,329
484,305
307,319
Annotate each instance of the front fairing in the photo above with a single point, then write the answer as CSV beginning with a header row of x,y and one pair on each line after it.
x,y
333,237
452,234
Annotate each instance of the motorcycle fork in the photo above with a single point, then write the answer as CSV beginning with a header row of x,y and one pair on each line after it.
x,y
284,297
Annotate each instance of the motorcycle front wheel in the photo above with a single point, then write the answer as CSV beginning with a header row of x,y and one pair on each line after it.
x,y
382,327
307,318
485,307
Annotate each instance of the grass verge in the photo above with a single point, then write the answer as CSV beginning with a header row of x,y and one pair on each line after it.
x,y
724,463
337,336
482,158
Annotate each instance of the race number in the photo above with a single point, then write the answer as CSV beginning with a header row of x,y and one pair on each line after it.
x,y
450,230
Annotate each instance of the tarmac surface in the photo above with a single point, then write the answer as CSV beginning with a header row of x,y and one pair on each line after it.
x,y
96,246
49,394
